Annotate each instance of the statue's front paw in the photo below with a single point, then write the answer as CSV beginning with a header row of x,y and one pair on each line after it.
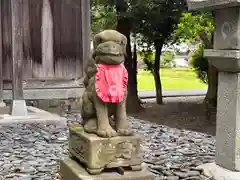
x,y
90,126
124,131
106,132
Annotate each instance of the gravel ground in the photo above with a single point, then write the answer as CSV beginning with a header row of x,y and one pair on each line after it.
x,y
174,154
181,113
32,151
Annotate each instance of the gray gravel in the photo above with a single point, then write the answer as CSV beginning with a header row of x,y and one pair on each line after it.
x,y
172,153
33,150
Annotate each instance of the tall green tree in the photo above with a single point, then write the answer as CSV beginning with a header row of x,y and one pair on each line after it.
x,y
197,27
155,21
123,24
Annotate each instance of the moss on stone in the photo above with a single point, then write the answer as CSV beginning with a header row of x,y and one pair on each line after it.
x,y
77,128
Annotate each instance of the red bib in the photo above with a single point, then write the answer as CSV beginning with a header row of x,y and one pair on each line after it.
x,y
111,82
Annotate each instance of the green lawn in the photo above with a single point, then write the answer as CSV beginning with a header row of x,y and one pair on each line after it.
x,y
176,78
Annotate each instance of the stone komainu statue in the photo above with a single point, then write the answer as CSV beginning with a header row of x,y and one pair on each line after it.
x,y
106,86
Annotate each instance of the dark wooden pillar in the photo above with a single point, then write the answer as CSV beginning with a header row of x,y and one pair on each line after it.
x,y
18,104
1,59
86,29
17,49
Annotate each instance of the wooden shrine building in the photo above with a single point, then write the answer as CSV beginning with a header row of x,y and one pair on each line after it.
x,y
44,47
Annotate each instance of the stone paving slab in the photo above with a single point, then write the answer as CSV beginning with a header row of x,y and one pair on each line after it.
x,y
173,93
216,172
35,115
71,170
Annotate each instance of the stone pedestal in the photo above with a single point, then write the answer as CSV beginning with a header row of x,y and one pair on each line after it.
x,y
228,105
71,170
98,153
228,121
226,58
228,117
96,158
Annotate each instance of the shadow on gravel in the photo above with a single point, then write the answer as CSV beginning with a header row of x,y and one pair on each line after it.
x,y
179,112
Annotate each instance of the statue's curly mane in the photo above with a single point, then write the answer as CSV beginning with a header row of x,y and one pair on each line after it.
x,y
90,70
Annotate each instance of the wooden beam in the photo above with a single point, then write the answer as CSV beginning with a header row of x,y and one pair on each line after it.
x,y
1,56
81,44
17,49
86,29
47,40
41,94
18,107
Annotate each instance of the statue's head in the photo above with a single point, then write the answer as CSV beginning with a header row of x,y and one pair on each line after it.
x,y
109,47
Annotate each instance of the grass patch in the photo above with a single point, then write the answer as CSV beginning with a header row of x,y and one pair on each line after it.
x,y
174,78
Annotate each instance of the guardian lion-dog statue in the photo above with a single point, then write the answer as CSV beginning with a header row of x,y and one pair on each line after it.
x,y
106,87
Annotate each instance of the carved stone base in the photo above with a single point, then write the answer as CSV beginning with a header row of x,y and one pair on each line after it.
x,y
71,170
99,153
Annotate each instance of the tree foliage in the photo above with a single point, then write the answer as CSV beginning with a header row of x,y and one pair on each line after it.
x,y
154,24
167,59
199,63
193,26
103,17
156,20
198,27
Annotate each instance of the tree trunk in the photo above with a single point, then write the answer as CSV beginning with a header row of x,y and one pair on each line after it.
x,y
136,71
210,100
124,27
156,74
